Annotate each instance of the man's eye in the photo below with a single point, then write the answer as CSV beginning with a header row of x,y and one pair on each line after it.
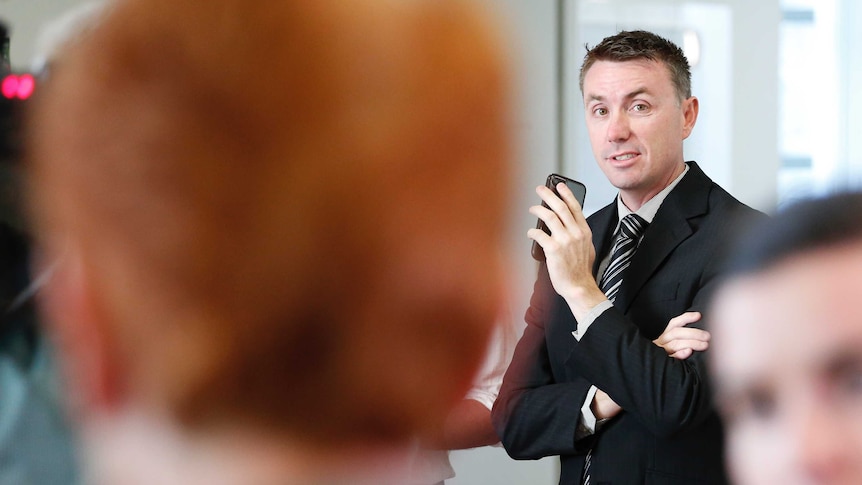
x,y
850,380
761,405
844,374
640,107
600,111
751,406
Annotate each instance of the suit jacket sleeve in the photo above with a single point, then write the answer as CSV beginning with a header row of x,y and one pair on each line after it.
x,y
538,410
666,395
536,413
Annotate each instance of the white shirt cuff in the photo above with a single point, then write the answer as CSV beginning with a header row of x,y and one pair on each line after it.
x,y
587,423
591,316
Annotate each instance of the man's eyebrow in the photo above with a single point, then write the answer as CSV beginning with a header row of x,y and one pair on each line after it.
x,y
637,92
633,94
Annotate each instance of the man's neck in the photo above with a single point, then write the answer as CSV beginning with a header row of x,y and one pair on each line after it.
x,y
635,200
139,450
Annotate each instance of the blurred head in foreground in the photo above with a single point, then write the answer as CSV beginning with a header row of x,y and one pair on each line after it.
x,y
273,219
787,352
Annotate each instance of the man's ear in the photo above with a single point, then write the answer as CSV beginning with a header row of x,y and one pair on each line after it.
x,y
690,108
82,336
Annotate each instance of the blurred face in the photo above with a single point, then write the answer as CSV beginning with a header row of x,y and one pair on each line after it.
x,y
636,124
787,358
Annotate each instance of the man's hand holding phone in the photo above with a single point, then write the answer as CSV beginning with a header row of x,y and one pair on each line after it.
x,y
568,248
579,191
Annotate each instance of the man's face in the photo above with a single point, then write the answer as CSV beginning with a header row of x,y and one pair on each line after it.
x,y
637,125
787,361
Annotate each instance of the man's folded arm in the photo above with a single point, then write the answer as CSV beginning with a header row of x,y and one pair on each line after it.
x,y
668,395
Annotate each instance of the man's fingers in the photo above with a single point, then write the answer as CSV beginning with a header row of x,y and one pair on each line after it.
x,y
682,354
549,217
699,345
669,337
575,208
685,334
559,219
676,329
681,345
568,197
554,202
683,320
561,210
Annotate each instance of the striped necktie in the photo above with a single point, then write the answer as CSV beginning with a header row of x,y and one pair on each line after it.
x,y
626,242
628,236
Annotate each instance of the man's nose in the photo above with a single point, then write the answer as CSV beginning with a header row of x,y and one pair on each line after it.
x,y
819,452
618,128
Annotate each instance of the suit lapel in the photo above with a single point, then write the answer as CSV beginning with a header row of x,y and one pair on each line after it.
x,y
671,226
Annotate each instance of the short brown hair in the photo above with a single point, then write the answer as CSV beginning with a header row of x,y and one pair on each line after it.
x,y
640,44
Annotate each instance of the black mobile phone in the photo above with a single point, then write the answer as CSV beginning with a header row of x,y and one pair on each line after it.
x,y
577,188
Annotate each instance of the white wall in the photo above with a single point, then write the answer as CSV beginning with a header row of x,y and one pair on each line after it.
x,y
755,102
24,18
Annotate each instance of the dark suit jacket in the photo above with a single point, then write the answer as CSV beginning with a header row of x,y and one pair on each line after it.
x,y
668,431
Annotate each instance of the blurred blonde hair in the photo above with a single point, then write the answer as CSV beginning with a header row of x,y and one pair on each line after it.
x,y
288,210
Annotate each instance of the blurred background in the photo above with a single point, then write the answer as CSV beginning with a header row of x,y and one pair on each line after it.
x,y
778,112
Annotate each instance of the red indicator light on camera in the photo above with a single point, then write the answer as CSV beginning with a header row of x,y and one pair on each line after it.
x,y
18,86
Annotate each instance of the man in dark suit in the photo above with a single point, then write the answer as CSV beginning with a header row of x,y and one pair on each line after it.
x,y
610,378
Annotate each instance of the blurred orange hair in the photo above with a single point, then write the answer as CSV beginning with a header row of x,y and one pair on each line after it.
x,y
289,211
